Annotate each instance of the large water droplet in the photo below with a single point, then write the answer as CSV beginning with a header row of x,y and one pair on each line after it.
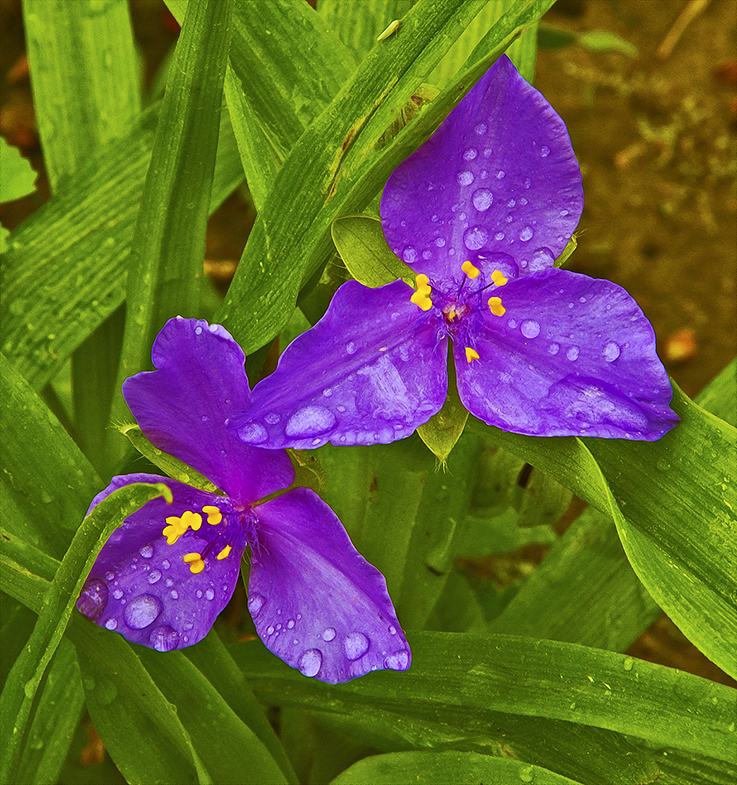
x,y
142,611
465,177
612,351
310,662
572,353
475,238
526,234
530,328
164,638
398,661
351,347
542,259
93,598
253,433
147,551
409,255
482,199
329,634
310,421
355,645
255,603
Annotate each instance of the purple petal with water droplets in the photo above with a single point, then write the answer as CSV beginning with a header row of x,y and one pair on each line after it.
x,y
183,408
498,176
316,602
572,356
139,585
370,371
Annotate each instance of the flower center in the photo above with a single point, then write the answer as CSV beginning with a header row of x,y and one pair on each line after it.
x,y
454,307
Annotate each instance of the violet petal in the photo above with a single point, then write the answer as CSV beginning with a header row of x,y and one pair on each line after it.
x,y
316,602
140,586
184,406
498,176
571,356
370,371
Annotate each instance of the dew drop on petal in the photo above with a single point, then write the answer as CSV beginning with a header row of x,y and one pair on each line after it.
x,y
480,129
117,593
544,151
147,551
355,645
290,624
482,199
198,330
527,182
253,433
464,178
409,255
255,603
470,154
270,630
174,594
272,418
310,662
111,624
499,236
398,661
526,234
612,351
475,238
572,353
93,598
350,347
530,328
198,594
142,611
110,575
164,638
329,634
209,594
166,564
512,324
310,421
440,242
554,348
392,630
501,174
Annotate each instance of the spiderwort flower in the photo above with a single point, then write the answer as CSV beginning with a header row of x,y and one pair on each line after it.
x,y
480,212
163,577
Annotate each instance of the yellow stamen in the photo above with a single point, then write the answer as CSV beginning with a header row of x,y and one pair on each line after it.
x,y
421,299
195,562
471,354
495,303
470,269
498,277
177,526
224,553
422,282
214,516
451,315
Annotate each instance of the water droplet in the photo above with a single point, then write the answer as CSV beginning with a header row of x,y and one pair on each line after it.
x,y
554,348
117,593
544,151
501,174
205,418
392,630
110,575
480,129
147,551
164,638
166,564
355,645
572,353
527,774
663,464
93,598
198,331
527,182
111,624
198,594
253,433
563,213
270,630
530,328
310,662
409,255
612,351
350,347
142,611
464,177
290,624
327,392
272,418
526,234
482,199
310,421
398,661
475,238
439,242
499,236
628,663
329,634
542,259
174,594
255,603
209,594
470,154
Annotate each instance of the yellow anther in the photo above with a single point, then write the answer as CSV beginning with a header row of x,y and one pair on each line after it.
x,y
214,516
224,553
498,277
451,315
495,303
422,282
177,526
470,269
195,562
422,299
471,354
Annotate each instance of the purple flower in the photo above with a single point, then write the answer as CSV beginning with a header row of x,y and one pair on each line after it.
x,y
164,576
480,212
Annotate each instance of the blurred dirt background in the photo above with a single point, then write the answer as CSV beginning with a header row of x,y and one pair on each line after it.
x,y
655,135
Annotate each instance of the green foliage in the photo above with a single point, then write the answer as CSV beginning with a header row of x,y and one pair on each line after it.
x,y
18,178
519,674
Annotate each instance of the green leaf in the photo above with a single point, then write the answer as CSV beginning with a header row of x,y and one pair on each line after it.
x,y
362,247
18,178
443,430
19,692
86,88
440,768
169,242
606,41
720,396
